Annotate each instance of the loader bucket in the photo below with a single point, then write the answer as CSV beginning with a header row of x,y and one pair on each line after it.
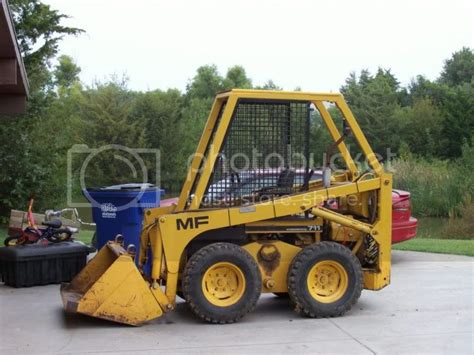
x,y
111,287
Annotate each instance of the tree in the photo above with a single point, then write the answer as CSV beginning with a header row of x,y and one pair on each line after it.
x,y
269,85
105,111
459,69
205,84
161,115
39,32
66,72
456,104
374,101
387,76
422,128
236,77
31,155
199,96
458,112
422,88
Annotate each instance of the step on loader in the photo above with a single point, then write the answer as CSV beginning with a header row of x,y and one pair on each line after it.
x,y
254,217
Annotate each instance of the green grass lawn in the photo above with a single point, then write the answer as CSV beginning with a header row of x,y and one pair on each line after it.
x,y
85,236
440,235
442,246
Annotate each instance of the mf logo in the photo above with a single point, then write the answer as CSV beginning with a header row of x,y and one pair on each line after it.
x,y
191,222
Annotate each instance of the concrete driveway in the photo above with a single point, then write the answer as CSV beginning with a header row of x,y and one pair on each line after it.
x,y
427,309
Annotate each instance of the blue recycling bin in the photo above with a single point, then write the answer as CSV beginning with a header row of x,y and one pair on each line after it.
x,y
119,209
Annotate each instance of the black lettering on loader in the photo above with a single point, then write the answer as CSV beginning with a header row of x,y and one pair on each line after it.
x,y
191,222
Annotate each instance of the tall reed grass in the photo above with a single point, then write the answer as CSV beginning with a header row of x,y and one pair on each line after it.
x,y
435,187
439,188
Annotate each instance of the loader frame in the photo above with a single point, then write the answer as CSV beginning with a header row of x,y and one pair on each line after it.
x,y
164,227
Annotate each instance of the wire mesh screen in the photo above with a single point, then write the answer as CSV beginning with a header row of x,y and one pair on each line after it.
x,y
265,154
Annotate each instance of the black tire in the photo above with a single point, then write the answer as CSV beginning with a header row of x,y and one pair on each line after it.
x,y
11,241
300,268
201,262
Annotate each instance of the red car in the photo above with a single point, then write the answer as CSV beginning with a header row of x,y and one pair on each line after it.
x,y
403,224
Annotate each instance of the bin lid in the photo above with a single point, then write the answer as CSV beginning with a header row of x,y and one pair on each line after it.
x,y
130,186
144,195
126,187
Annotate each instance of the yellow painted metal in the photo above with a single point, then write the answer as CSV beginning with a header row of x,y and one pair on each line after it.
x,y
176,239
327,281
382,233
249,214
311,226
171,286
357,245
169,230
289,205
343,234
280,95
356,204
157,251
273,258
329,215
110,287
286,222
223,284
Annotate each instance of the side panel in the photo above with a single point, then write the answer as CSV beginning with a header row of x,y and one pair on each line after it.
x,y
177,230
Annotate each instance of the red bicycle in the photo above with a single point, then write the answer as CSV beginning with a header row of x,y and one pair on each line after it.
x,y
52,232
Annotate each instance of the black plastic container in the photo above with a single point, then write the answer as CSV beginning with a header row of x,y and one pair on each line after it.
x,y
31,265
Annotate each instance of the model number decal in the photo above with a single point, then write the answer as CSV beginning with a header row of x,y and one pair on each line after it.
x,y
191,222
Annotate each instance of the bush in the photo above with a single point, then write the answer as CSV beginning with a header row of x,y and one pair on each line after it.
x,y
433,186
439,188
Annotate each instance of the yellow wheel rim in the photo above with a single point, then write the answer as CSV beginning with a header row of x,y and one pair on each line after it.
x,y
327,281
223,284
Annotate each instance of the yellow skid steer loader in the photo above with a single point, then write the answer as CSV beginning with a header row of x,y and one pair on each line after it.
x,y
253,217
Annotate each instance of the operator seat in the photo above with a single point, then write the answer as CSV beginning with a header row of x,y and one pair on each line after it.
x,y
56,223
284,185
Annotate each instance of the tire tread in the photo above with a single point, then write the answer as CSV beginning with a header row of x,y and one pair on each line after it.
x,y
302,306
195,264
